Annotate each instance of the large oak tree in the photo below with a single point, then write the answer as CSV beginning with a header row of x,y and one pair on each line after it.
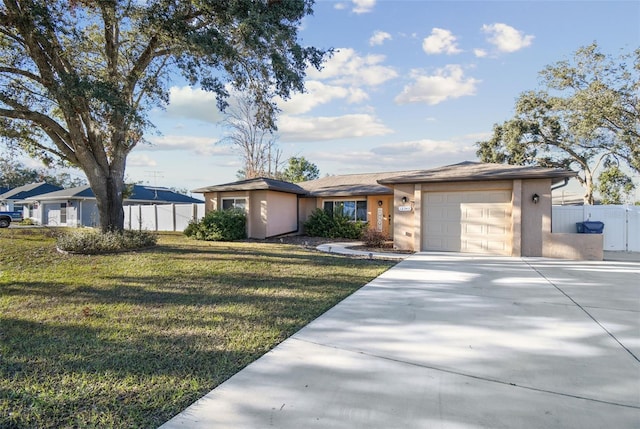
x,y
78,77
586,117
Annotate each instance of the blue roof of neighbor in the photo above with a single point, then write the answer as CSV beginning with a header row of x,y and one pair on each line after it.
x,y
27,191
140,193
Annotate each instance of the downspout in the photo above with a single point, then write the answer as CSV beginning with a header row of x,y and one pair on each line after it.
x,y
566,182
553,188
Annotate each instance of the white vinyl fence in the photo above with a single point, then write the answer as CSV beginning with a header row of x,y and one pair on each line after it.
x,y
621,223
165,217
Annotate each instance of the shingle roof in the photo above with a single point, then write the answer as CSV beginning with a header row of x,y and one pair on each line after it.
x,y
349,184
30,190
471,171
374,183
257,184
140,193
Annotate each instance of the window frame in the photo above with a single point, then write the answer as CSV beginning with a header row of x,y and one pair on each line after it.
x,y
234,205
359,208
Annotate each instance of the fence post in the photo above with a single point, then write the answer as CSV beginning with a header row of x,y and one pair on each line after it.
x,y
173,216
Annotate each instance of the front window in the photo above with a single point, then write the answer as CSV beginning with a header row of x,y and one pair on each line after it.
x,y
234,203
354,210
63,213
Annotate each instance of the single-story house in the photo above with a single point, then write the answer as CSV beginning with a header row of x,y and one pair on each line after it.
x,y
16,198
467,207
77,206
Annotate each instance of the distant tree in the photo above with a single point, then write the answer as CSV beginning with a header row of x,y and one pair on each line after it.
x,y
300,169
614,186
14,173
78,78
251,139
588,116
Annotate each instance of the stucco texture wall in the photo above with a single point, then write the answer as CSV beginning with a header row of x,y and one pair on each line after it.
x,y
281,210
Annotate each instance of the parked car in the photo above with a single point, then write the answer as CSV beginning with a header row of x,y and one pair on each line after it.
x,y
7,217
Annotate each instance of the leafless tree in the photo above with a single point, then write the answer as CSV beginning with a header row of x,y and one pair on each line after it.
x,y
256,144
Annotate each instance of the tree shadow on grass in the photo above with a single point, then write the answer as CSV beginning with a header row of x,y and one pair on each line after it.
x,y
58,375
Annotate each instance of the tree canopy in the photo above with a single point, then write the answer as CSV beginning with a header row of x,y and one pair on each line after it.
x,y
586,118
14,173
78,77
299,169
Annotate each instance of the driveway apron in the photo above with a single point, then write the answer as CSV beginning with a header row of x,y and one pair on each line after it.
x,y
445,340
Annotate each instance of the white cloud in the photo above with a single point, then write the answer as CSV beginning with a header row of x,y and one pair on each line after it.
x,y
440,41
480,53
506,38
340,6
445,83
317,93
363,6
204,146
399,156
347,67
140,160
193,103
298,129
379,38
419,148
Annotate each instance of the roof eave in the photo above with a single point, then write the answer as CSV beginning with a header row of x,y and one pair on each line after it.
x,y
556,176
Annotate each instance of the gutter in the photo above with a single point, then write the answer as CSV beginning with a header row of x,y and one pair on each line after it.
x,y
562,185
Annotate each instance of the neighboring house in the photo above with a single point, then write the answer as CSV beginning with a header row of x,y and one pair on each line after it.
x,y
468,207
77,206
17,198
3,190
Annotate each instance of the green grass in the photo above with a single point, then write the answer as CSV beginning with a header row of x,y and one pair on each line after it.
x,y
129,340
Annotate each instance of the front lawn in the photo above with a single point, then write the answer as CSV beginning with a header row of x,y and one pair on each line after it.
x,y
129,340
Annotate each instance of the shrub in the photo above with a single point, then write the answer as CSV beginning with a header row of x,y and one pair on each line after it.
x,y
322,224
94,242
219,225
373,238
318,224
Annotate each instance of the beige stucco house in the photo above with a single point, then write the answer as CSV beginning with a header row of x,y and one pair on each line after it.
x,y
468,207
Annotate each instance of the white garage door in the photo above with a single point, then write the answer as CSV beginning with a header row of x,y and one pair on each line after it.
x,y
472,221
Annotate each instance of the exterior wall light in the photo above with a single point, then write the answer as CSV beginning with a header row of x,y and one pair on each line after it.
x,y
404,200
379,203
535,198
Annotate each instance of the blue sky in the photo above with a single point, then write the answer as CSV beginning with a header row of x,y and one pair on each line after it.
x,y
412,85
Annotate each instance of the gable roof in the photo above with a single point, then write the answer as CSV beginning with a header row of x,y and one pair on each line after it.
x,y
471,171
29,190
256,184
140,193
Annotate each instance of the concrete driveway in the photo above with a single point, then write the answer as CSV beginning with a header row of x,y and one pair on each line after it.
x,y
453,341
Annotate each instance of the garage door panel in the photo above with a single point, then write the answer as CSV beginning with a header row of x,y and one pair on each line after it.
x,y
478,222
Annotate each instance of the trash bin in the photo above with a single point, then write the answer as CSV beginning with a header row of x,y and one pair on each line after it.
x,y
590,227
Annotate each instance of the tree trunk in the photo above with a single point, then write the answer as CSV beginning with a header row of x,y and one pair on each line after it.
x,y
108,192
588,184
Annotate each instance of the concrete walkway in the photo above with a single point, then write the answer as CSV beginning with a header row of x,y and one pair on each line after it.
x,y
453,341
346,248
